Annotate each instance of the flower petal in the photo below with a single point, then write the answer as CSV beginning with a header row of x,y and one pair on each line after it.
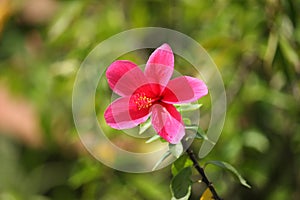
x,y
124,77
167,122
123,113
184,89
160,65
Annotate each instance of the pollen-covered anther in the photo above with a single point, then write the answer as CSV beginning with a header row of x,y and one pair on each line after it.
x,y
142,101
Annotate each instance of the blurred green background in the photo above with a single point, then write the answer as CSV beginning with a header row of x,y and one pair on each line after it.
x,y
254,43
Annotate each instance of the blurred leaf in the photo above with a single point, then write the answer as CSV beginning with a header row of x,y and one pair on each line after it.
x,y
38,197
207,195
176,149
84,175
256,140
289,52
180,163
149,188
10,170
271,48
230,168
144,126
181,184
70,11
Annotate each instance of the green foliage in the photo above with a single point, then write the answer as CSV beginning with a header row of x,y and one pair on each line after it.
x,y
230,168
181,184
181,163
83,173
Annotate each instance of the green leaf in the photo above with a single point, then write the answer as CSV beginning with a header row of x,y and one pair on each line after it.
x,y
165,156
200,134
181,163
144,126
188,107
288,51
230,168
181,184
152,139
176,149
186,197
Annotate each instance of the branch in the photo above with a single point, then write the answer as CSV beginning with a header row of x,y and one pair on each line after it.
x,y
192,156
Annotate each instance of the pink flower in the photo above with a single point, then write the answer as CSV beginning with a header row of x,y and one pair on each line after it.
x,y
151,93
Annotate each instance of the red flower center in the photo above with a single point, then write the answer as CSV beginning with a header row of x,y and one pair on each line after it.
x,y
142,101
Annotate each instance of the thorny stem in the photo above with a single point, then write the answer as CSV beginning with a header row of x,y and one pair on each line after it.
x,y
192,156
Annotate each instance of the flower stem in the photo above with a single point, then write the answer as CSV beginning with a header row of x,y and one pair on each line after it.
x,y
200,170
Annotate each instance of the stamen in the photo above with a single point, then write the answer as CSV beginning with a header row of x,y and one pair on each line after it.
x,y
142,101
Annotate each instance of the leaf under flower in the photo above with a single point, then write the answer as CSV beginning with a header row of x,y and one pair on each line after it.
x,y
230,168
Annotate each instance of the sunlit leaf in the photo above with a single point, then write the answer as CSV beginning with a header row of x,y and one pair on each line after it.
x,y
271,48
181,184
207,195
230,168
288,51
5,10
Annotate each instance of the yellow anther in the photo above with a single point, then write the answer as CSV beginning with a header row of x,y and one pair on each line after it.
x,y
142,101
